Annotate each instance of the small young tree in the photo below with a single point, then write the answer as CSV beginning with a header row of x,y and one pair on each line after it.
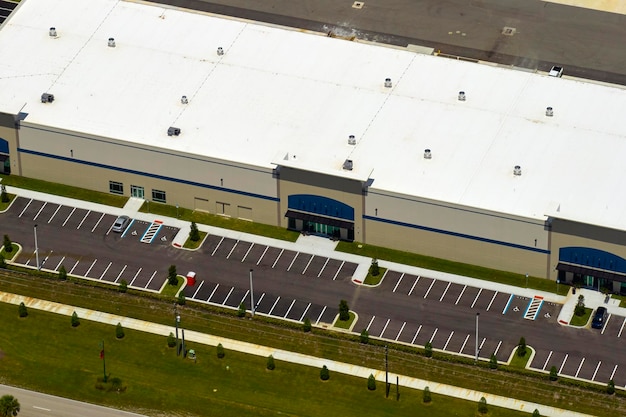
x,y
344,311
306,326
194,233
270,363
220,351
62,273
482,405
428,350
75,321
23,312
365,337
171,340
324,373
553,374
172,276
119,331
181,300
610,387
536,413
371,383
521,347
493,361
426,397
241,311
9,406
8,245
3,263
374,269
4,196
123,286
579,310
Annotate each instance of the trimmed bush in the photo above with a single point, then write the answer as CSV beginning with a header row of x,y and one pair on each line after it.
x,y
374,269
553,374
23,312
4,196
493,361
62,273
365,337
123,286
75,322
8,246
324,373
3,263
426,397
536,413
482,405
344,311
171,340
220,351
428,350
119,331
579,310
521,347
172,275
610,387
270,363
194,233
306,326
181,300
371,383
241,311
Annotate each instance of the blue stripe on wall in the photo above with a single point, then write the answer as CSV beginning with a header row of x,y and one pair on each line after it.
x,y
147,174
455,234
593,258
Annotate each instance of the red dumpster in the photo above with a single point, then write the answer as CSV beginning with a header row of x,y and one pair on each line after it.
x,y
191,278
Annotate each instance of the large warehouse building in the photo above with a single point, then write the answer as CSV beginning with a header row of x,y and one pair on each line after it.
x,y
465,161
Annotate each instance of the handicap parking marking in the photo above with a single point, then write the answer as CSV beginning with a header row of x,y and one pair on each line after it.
x,y
508,304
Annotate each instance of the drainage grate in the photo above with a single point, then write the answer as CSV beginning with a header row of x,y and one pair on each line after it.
x,y
151,232
533,308
508,31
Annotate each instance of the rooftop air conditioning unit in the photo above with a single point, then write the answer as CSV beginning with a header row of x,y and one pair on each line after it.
x,y
347,165
184,100
427,154
549,112
173,131
220,51
53,32
462,96
112,42
351,140
517,170
388,82
47,98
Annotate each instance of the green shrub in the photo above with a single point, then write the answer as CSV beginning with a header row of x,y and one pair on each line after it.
x,y
123,286
8,245
374,269
536,413
610,387
75,322
553,374
365,337
220,351
4,196
62,273
270,363
119,331
482,405
171,340
3,263
306,326
493,361
579,310
23,312
344,311
241,311
194,233
428,350
172,276
181,300
521,347
426,397
371,383
324,373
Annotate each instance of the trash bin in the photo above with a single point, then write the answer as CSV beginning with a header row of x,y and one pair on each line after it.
x,y
191,278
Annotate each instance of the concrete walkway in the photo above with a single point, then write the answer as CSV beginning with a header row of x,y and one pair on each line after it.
x,y
282,355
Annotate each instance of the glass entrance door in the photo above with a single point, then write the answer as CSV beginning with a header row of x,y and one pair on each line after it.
x,y
136,191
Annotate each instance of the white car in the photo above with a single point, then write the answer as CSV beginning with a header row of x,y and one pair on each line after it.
x,y
556,71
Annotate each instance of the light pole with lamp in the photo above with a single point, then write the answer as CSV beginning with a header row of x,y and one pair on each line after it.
x,y
176,210
476,358
251,294
177,322
526,280
36,248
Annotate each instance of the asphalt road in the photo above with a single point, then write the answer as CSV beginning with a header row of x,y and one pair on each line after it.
x,y
36,404
588,43
292,285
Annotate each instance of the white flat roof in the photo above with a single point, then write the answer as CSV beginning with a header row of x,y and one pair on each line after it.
x,y
281,96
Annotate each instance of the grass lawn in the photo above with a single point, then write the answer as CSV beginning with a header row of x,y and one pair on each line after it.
x,y
171,290
581,320
520,361
156,380
5,205
345,324
190,244
64,190
375,280
9,255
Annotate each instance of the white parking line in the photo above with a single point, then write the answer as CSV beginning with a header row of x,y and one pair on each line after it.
x,y
416,333
579,366
27,204
398,283
621,328
596,371
448,341
198,289
481,344
97,223
308,263
613,373
262,255
72,270
232,249
259,302
45,259
444,292
121,272
460,295
305,310
150,280
105,270
495,352
54,214
427,291
59,264
244,296
492,298
228,295
40,209
476,299
433,336
563,364
337,273
320,316
212,292
414,284
401,328
289,309
547,360
322,270
247,252
292,261
277,258
464,343
68,216
135,277
384,328
606,324
218,245
92,264
83,220
274,305
370,323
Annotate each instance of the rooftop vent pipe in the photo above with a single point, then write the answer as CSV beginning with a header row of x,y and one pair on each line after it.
x,y
112,42
549,112
427,154
53,32
517,170
184,100
388,82
220,51
461,95
347,165
351,140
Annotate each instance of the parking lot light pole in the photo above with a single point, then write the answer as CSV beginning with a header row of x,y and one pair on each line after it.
x,y
526,280
176,210
36,248
476,358
251,294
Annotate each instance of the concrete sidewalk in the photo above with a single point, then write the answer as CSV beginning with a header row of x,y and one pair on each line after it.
x,y
286,356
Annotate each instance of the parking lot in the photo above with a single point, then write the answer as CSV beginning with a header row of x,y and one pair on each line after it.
x,y
6,8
